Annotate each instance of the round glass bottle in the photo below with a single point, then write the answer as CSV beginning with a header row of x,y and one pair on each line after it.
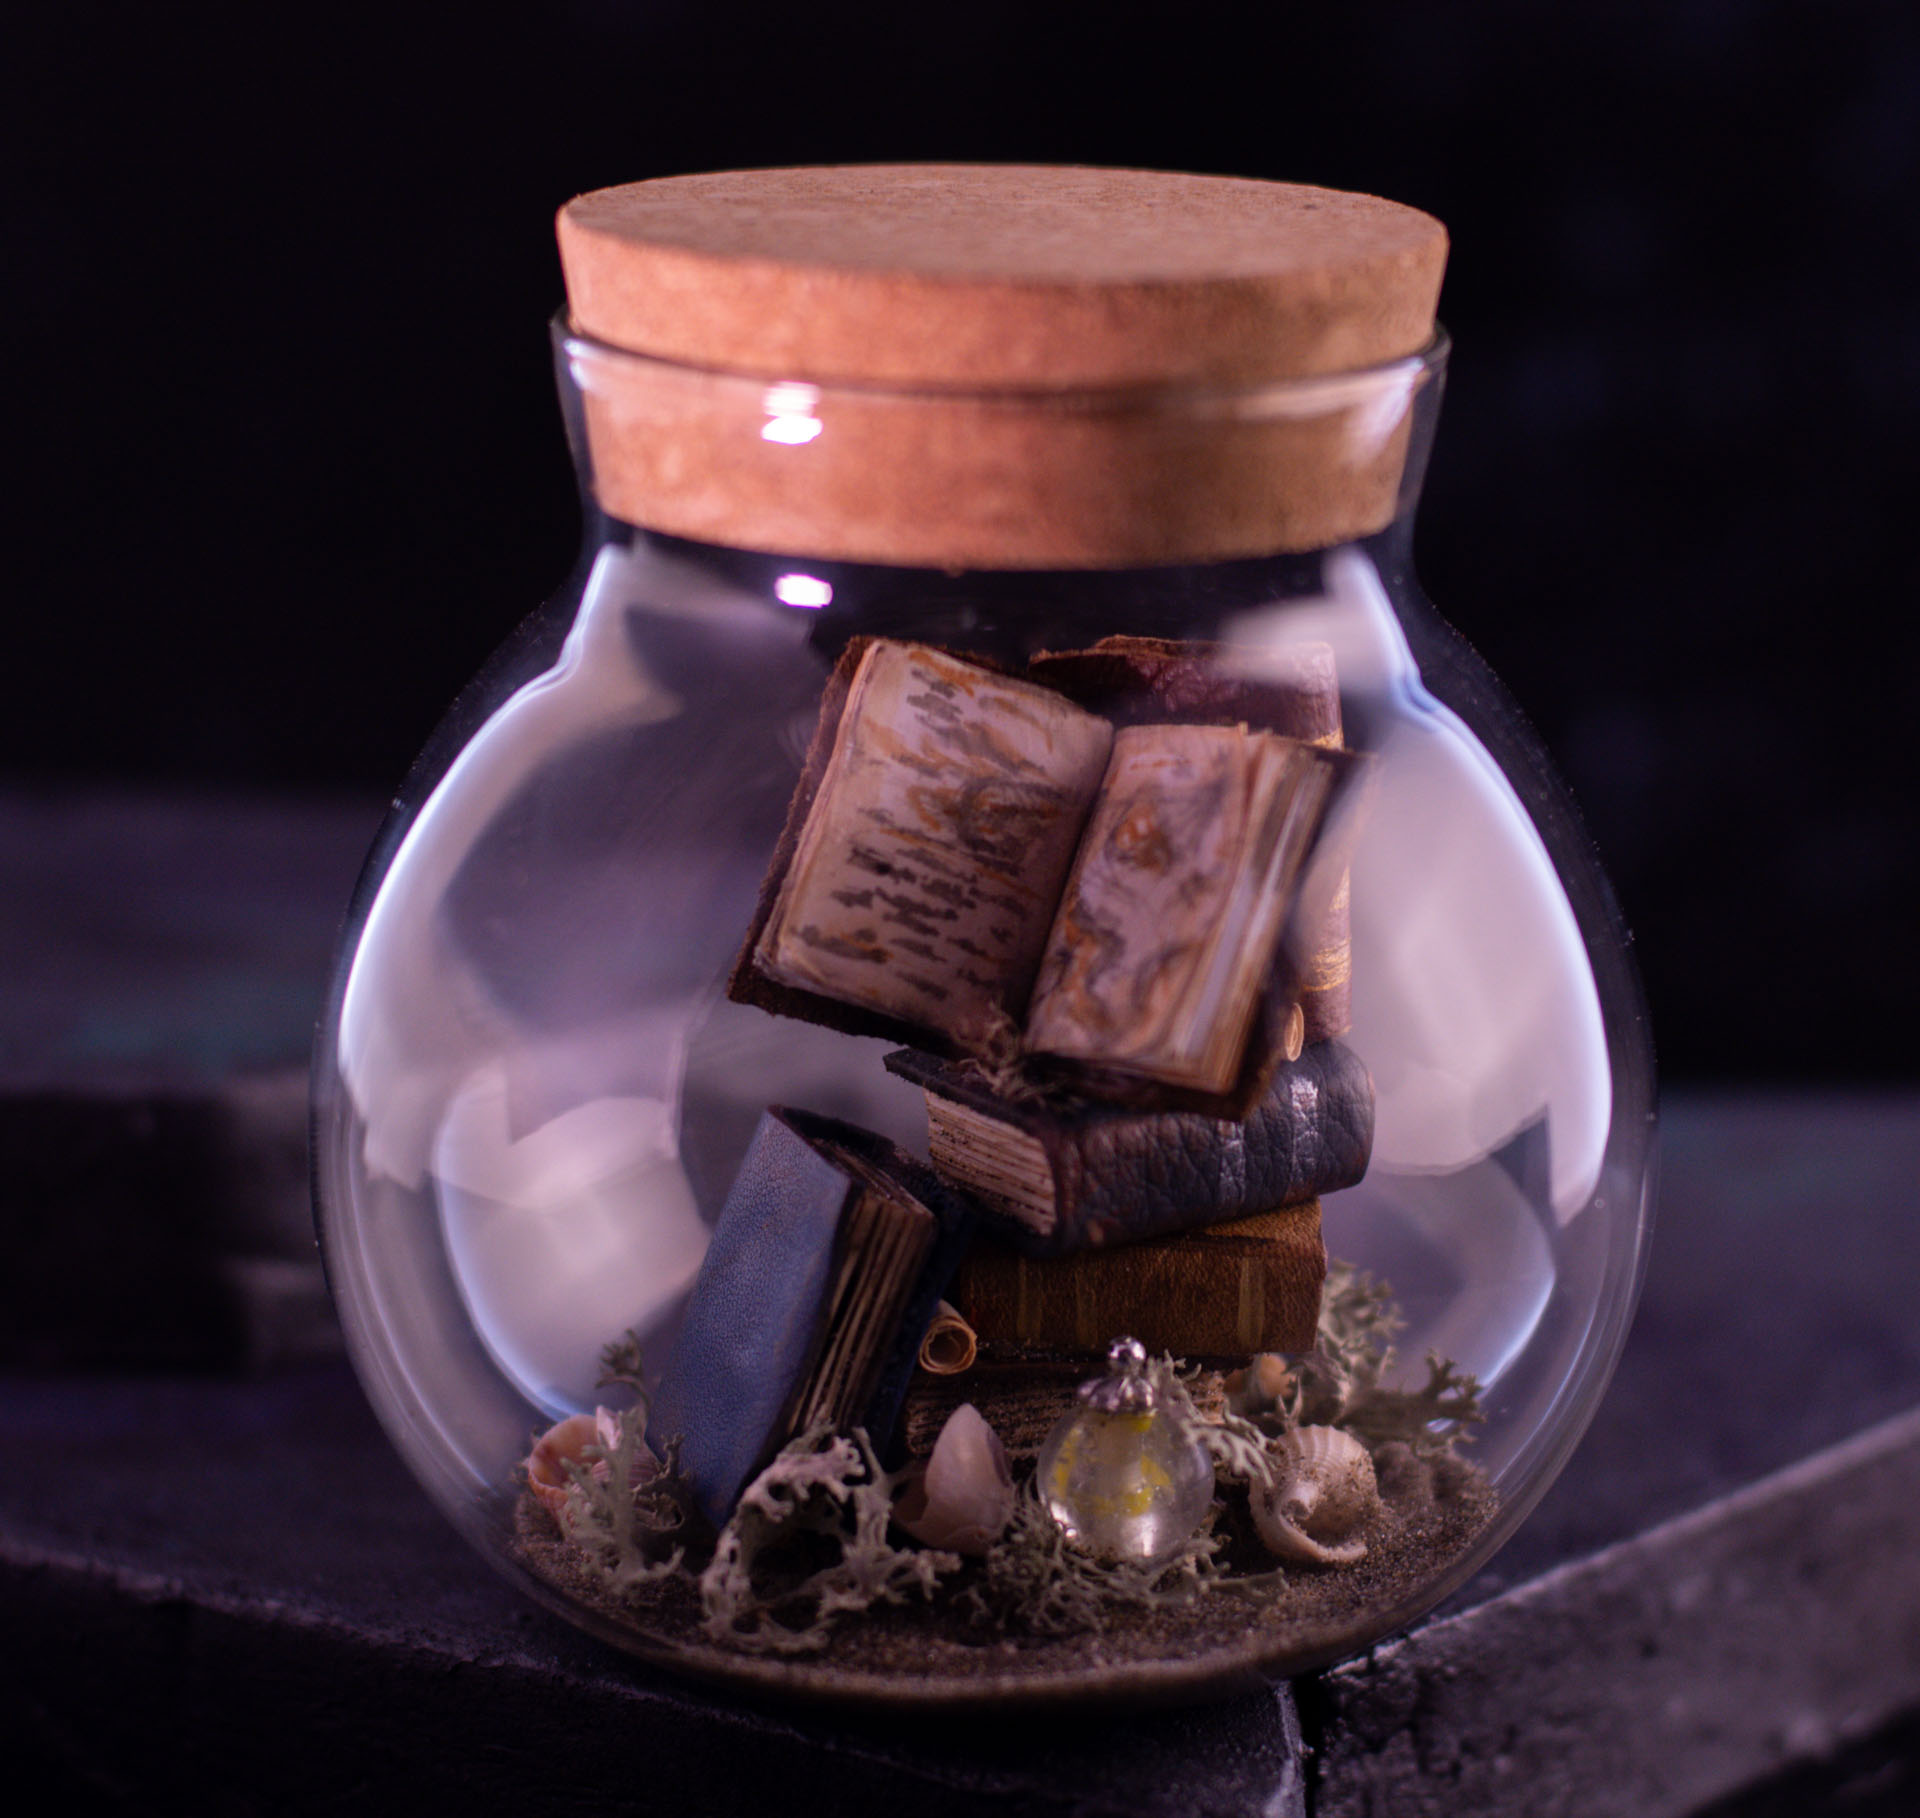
x,y
992,821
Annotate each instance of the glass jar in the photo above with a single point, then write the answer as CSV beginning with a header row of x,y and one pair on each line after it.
x,y
590,1280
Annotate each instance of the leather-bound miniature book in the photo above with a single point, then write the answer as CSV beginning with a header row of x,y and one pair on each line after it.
x,y
969,854
1157,681
1219,1293
1051,1177
1295,691
829,1257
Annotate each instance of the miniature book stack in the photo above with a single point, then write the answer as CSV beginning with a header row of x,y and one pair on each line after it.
x,y
1196,1235
1094,902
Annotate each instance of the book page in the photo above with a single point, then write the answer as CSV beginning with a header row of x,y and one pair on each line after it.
x,y
885,1240
1169,922
999,1164
927,874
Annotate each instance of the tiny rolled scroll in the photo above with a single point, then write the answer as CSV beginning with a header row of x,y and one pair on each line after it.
x,y
949,1346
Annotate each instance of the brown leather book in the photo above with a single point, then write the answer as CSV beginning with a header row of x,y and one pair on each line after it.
x,y
1219,1293
1052,1178
1156,681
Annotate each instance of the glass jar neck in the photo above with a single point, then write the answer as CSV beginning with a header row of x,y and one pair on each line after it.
x,y
1009,482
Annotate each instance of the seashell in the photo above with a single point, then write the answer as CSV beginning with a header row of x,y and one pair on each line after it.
x,y
962,1497
1259,1388
1275,1390
950,1346
566,1444
1322,1386
1322,1494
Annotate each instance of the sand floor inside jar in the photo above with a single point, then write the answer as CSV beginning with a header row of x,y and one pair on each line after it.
x,y
938,1650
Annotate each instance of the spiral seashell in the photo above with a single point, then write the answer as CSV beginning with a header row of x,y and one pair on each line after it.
x,y
1322,1494
566,1444
1260,1388
963,1497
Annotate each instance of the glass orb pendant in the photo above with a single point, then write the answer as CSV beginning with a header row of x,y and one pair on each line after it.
x,y
1125,1479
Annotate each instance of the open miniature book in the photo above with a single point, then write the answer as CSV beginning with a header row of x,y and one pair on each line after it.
x,y
1295,690
968,850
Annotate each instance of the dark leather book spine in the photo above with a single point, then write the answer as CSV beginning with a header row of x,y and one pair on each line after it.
x,y
1119,1177
1158,681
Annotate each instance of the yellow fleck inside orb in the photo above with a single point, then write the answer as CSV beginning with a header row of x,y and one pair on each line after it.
x,y
1129,1487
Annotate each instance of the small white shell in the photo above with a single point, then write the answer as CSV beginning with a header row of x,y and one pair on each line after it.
x,y
1323,1493
963,1497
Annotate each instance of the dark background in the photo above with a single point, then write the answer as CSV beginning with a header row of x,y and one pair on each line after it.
x,y
279,280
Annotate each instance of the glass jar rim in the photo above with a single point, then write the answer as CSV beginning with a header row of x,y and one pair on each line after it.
x,y
1247,400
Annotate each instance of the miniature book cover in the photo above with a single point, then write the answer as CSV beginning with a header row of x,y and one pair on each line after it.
x,y
1160,681
968,851
829,1256
1052,1178
1222,1291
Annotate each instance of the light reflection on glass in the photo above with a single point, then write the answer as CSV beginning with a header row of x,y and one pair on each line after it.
x,y
790,417
803,590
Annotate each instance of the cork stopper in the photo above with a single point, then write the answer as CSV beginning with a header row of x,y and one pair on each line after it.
x,y
1009,366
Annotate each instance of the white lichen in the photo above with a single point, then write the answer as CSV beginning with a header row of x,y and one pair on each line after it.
x,y
829,1487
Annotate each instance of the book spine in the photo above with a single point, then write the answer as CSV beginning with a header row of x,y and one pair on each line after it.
x,y
1326,982
1326,987
1228,1294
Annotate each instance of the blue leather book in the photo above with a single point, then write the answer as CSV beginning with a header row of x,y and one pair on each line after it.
x,y
830,1254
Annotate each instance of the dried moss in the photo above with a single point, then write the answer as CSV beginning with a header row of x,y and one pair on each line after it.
x,y
1431,1419
625,1524
1341,1381
822,1484
626,1509
1035,1579
1358,1320
809,1543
